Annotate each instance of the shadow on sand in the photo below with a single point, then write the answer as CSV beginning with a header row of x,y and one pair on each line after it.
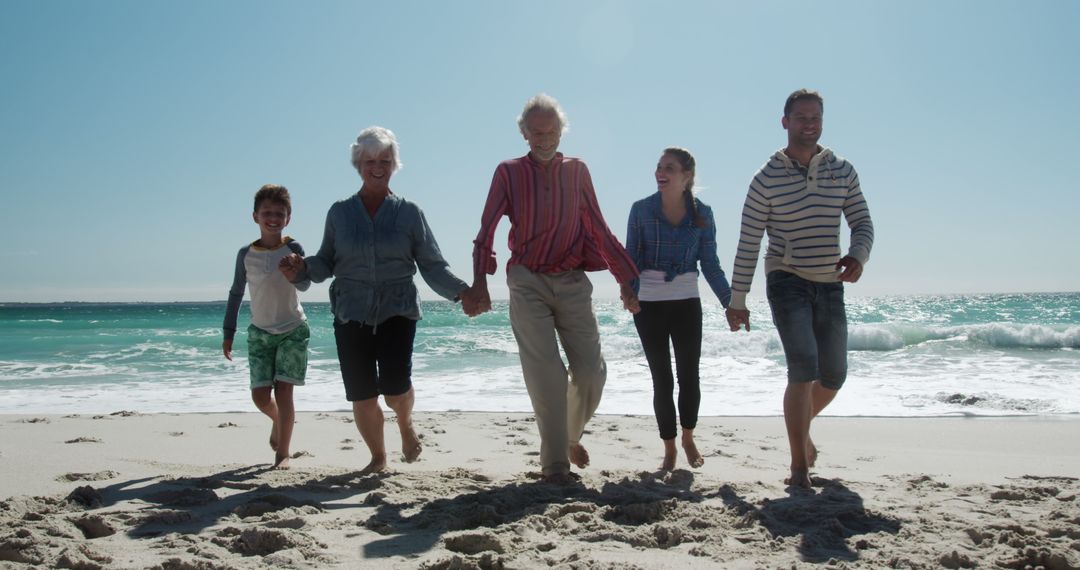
x,y
825,520
642,509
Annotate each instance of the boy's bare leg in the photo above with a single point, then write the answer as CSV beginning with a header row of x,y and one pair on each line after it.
x,y
265,403
670,455
693,456
403,406
369,421
286,417
797,415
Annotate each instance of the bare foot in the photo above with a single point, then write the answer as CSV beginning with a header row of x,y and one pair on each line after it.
x,y
273,436
799,478
375,466
693,456
669,462
281,461
579,456
410,447
811,452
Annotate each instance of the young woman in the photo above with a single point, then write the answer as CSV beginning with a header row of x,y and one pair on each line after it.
x,y
669,234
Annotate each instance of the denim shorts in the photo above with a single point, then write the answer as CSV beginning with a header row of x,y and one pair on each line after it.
x,y
278,357
812,323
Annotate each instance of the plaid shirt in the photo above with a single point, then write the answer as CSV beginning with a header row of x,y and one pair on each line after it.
x,y
655,244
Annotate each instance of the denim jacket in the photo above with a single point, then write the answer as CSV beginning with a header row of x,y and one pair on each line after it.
x,y
655,244
373,261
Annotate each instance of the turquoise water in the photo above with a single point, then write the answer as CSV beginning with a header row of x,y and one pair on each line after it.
x,y
910,356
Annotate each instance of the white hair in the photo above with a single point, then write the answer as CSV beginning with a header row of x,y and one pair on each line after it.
x,y
546,103
372,141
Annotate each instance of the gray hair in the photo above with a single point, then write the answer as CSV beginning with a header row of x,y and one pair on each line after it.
x,y
546,103
372,141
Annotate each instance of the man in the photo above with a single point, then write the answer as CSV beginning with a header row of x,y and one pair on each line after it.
x,y
797,198
557,233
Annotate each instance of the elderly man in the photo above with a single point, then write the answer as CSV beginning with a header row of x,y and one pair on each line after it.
x,y
798,198
557,233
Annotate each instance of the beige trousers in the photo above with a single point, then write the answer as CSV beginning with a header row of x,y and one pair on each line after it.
x,y
542,306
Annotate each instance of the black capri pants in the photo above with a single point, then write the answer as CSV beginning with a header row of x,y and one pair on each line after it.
x,y
375,360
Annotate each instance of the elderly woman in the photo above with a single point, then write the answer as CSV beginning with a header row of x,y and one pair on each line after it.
x,y
373,244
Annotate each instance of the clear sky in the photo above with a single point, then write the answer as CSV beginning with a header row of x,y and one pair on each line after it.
x,y
134,134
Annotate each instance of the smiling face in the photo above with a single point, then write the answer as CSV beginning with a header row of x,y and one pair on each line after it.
x,y
272,218
803,123
543,132
376,170
670,175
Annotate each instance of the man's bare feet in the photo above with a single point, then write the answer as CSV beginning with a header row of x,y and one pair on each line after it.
x,y
579,456
273,436
799,478
376,465
693,456
811,452
410,447
281,461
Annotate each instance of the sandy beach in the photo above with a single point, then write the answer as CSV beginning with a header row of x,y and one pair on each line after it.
x,y
194,491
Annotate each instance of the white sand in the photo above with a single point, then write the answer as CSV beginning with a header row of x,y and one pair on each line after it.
x,y
192,491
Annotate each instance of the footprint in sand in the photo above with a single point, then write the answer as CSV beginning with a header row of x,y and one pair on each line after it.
x,y
94,526
474,543
84,440
98,476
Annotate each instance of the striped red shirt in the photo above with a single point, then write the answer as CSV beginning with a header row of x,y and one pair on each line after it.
x,y
556,223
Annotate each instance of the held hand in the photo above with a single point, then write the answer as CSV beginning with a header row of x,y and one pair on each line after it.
x,y
475,300
852,269
737,318
291,266
629,299
468,302
226,347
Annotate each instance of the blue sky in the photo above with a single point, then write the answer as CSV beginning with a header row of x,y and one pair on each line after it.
x,y
134,134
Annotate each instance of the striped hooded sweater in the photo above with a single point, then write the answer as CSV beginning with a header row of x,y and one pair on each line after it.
x,y
800,208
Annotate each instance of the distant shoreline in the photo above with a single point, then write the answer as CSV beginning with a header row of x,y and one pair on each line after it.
x,y
850,294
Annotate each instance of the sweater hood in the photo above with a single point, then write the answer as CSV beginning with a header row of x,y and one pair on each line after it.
x,y
825,154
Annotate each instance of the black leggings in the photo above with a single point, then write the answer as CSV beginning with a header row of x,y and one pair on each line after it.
x,y
679,321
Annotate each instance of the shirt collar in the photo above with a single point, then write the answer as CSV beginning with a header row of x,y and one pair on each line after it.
x,y
528,157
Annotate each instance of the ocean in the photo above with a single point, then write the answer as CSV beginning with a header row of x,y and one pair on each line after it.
x,y
949,355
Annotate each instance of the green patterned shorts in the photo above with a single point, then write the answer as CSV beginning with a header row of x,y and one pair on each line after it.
x,y
278,357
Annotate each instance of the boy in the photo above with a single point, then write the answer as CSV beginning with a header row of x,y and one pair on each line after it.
x,y
278,334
